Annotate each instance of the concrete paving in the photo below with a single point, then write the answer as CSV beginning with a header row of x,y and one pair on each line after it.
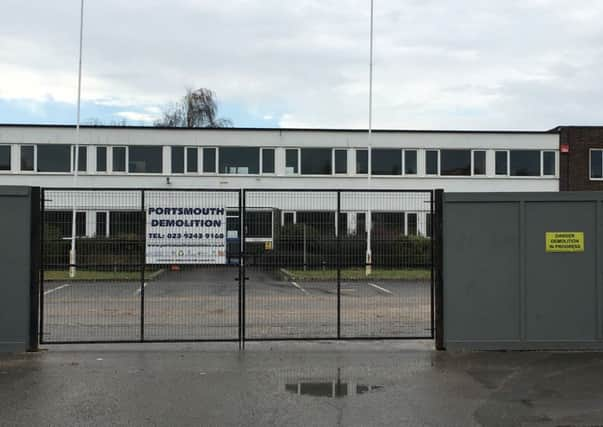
x,y
203,303
299,384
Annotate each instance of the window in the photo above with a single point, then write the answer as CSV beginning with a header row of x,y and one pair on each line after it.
x,y
455,163
127,223
361,223
431,162
525,163
145,159
101,224
209,160
549,163
59,223
101,159
342,224
361,161
82,158
479,163
341,161
5,157
54,158
321,222
411,223
502,163
288,218
410,162
386,223
316,161
177,159
596,164
267,160
386,161
192,160
429,225
119,159
292,161
258,224
240,160
27,157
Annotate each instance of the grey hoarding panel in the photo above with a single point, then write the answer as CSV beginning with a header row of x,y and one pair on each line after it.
x,y
504,290
15,206
481,280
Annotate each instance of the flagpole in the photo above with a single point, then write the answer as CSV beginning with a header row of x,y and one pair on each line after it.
x,y
72,253
369,219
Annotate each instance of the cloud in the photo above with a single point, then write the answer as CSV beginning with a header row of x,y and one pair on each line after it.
x,y
438,64
134,116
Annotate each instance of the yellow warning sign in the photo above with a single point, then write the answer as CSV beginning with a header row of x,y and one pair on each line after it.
x,y
268,245
566,241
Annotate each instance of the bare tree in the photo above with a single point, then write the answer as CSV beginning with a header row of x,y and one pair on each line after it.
x,y
197,109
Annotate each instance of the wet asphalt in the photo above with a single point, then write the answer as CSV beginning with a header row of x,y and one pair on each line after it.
x,y
372,383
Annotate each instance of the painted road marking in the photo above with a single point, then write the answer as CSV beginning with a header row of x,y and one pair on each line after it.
x,y
379,288
300,288
56,289
139,290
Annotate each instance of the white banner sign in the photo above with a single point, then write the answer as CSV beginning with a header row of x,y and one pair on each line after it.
x,y
185,231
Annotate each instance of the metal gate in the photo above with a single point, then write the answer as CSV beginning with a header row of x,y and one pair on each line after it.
x,y
237,265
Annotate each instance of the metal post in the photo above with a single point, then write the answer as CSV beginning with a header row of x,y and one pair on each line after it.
x,y
72,253
369,257
439,283
240,278
34,290
305,249
42,262
143,262
243,273
338,257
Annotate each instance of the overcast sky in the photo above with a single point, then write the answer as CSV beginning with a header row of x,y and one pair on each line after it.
x,y
439,64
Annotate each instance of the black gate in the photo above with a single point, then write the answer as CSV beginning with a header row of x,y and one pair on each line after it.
x,y
237,265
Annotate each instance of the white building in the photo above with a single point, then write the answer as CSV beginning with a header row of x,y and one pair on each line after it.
x,y
139,157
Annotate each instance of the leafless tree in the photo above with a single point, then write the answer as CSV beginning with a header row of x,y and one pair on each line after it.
x,y
197,109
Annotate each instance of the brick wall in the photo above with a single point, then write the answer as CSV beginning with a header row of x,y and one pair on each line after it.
x,y
574,166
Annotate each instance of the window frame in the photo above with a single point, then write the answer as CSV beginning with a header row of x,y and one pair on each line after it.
x,y
437,151
508,172
238,174
185,171
416,151
262,149
356,151
556,166
146,172
36,163
73,165
35,158
202,170
126,159
590,165
372,158
334,162
106,171
473,152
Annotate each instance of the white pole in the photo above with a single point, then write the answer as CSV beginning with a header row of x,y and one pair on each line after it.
x,y
369,219
72,257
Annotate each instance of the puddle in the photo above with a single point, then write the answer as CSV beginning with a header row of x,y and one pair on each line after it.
x,y
330,389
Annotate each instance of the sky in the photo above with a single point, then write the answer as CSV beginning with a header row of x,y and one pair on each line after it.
x,y
439,64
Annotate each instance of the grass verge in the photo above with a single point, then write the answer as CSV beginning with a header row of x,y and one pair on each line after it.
x,y
93,275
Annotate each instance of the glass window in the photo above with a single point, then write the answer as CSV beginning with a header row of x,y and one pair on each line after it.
x,y
502,163
240,160
361,161
258,224
455,162
388,222
361,223
431,162
321,222
341,161
209,160
288,218
177,159
429,225
386,161
82,158
101,224
268,160
119,159
101,159
342,224
291,161
411,224
126,223
479,163
5,157
27,157
145,159
410,162
549,163
192,160
596,164
316,161
525,163
54,158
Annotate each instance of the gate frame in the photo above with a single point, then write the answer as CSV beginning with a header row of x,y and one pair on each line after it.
x,y
436,287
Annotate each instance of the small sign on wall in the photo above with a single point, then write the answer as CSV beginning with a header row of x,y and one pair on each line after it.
x,y
564,241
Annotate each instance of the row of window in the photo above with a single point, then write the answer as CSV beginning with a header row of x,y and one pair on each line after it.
x,y
298,161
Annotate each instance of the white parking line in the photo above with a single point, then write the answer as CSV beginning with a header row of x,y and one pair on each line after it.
x,y
379,288
139,290
56,289
300,288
